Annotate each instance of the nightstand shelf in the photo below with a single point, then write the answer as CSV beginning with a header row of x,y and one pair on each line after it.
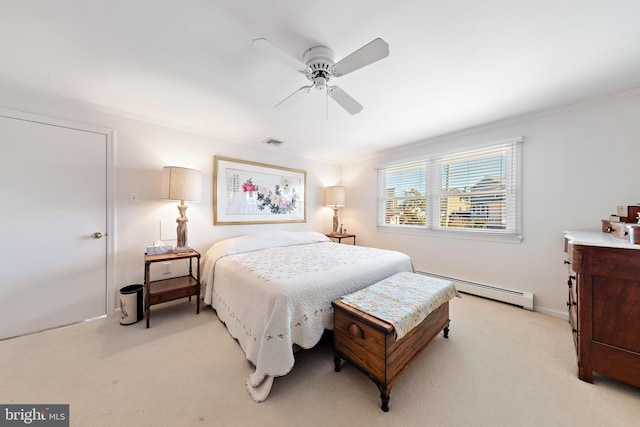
x,y
164,290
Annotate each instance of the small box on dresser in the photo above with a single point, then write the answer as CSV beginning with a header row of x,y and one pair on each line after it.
x,y
628,212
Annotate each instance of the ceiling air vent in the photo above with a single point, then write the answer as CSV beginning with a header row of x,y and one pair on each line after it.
x,y
273,142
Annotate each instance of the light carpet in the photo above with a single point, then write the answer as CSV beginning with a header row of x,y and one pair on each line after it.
x,y
501,366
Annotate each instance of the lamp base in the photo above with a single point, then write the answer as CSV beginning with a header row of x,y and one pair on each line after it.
x,y
179,250
335,219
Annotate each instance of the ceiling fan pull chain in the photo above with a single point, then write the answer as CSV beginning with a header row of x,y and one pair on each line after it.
x,y
326,104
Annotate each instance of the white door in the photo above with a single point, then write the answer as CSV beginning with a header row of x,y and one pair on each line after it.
x,y
54,197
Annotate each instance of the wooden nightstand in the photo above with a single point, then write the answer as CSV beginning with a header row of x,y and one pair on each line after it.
x,y
159,291
341,236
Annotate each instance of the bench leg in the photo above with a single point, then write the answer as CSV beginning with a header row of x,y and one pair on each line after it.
x,y
445,331
384,397
336,361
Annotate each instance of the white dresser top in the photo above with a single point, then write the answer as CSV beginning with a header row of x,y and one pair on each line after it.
x,y
597,238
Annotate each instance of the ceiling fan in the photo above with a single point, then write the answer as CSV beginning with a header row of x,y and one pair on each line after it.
x,y
319,67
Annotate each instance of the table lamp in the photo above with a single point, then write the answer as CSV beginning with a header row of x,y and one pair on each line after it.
x,y
181,184
334,197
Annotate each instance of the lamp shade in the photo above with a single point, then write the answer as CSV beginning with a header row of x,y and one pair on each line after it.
x,y
181,184
334,196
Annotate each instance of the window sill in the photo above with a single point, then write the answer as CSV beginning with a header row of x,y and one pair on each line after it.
x,y
452,234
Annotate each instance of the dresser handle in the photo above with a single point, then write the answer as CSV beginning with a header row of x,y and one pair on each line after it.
x,y
356,331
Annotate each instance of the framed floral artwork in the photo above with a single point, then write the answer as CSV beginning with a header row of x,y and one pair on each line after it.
x,y
257,193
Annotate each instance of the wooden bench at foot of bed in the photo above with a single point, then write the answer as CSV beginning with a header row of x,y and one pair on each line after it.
x,y
369,343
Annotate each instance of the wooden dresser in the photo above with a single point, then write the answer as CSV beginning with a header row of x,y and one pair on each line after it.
x,y
604,304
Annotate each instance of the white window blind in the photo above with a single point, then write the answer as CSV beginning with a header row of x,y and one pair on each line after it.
x,y
468,191
403,194
478,189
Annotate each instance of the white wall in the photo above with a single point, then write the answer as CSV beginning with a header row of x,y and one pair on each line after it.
x,y
579,163
142,149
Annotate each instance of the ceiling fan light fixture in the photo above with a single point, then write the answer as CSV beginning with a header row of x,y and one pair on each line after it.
x,y
320,83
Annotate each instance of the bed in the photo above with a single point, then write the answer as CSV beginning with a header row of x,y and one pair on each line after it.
x,y
273,291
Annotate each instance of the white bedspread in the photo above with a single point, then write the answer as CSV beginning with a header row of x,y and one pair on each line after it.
x,y
271,298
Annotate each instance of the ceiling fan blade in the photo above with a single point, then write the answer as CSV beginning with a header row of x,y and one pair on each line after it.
x,y
344,100
269,49
293,98
367,54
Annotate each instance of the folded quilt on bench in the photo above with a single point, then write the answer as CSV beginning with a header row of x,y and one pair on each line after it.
x,y
403,300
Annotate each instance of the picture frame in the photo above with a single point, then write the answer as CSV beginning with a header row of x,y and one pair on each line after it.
x,y
247,192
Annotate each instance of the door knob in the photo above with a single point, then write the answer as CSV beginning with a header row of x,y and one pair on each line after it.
x,y
97,235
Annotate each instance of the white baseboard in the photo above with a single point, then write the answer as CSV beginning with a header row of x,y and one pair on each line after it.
x,y
520,298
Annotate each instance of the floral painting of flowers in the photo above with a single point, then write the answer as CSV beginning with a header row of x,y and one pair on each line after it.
x,y
280,200
249,192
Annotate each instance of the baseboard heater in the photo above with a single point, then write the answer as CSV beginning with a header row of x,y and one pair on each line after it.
x,y
519,298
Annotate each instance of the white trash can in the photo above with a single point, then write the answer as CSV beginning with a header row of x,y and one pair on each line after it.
x,y
131,304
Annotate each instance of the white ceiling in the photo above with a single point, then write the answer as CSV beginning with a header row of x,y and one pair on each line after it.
x,y
452,64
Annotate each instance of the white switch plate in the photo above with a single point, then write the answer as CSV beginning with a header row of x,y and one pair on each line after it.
x,y
133,198
168,230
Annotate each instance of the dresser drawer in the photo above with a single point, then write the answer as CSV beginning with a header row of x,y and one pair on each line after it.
x,y
619,230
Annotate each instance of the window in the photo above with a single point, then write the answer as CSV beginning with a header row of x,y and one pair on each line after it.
x,y
471,191
404,194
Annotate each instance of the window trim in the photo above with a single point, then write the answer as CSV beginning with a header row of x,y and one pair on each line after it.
x,y
433,202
